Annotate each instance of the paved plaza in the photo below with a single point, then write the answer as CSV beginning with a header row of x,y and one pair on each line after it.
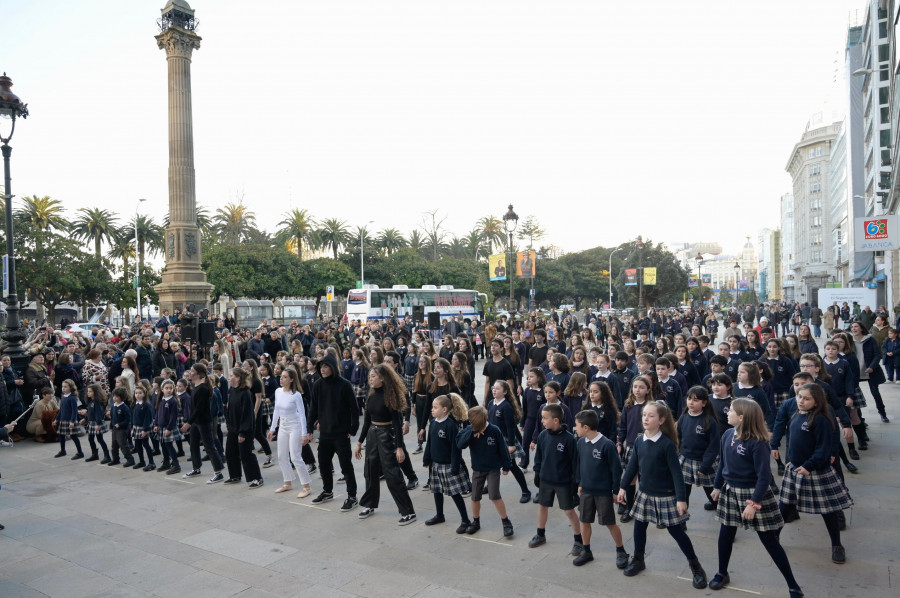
x,y
82,529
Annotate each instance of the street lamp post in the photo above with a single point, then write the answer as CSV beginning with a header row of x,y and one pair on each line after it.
x,y
610,275
640,246
699,260
137,261
11,108
737,283
510,220
362,266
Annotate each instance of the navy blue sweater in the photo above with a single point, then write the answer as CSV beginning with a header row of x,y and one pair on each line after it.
x,y
488,451
630,424
568,419
674,395
504,417
762,399
783,418
614,381
783,370
96,413
598,468
608,426
810,446
744,464
142,416
441,444
658,465
699,439
532,401
842,380
554,459
120,417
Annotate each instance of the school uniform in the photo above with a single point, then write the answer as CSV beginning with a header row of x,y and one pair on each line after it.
x,y
67,418
568,419
859,400
783,370
891,362
489,456
842,380
359,380
674,396
630,426
142,421
608,425
734,362
348,364
574,403
700,362
759,395
561,378
682,382
661,484
699,442
612,380
743,475
597,472
167,420
532,402
690,373
447,472
502,415
120,424
625,376
554,465
97,425
720,406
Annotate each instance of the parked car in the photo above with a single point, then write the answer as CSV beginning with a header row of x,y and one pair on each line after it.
x,y
84,328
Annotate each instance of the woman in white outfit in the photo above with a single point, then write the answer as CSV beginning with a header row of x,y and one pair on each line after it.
x,y
289,417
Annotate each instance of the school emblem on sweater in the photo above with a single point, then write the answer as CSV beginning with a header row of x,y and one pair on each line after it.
x,y
597,454
805,426
441,433
699,431
561,447
490,441
741,449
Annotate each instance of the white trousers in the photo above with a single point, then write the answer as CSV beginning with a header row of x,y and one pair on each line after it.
x,y
290,444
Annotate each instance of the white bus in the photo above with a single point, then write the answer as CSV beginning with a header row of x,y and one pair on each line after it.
x,y
373,303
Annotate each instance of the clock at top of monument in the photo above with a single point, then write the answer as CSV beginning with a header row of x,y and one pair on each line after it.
x,y
177,13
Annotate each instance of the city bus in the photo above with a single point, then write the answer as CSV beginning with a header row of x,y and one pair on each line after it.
x,y
374,303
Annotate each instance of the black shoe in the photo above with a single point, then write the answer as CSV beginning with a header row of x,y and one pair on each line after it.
x,y
507,529
77,456
150,467
268,462
129,463
536,499
412,484
365,513
586,556
435,520
93,457
105,460
884,418
635,566
780,472
180,454
853,454
626,517
710,506
218,477
59,454
473,527
621,559
164,466
426,487
341,480
851,467
838,555
537,540
622,509
349,504
462,527
699,574
191,474
156,453
113,462
323,497
311,468
256,484
407,519
173,470
526,496
719,581
232,481
139,465
577,549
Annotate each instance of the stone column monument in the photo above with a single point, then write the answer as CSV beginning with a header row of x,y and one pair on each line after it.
x,y
183,282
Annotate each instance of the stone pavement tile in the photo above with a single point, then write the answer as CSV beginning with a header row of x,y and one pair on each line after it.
x,y
343,548
121,590
438,591
386,584
102,556
320,591
27,524
316,569
201,585
34,567
14,552
136,519
252,575
11,588
149,572
72,582
179,527
62,542
170,548
240,547
257,593
99,527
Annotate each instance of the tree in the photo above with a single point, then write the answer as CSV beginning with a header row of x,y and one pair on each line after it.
x,y
405,266
531,230
671,277
390,240
122,248
297,229
150,236
251,270
492,231
41,215
416,242
457,248
435,236
457,272
475,245
589,271
233,223
95,225
57,271
317,274
726,298
333,233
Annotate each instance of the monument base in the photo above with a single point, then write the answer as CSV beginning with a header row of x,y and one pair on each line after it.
x,y
178,289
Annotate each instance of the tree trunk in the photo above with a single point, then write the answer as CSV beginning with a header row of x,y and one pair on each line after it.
x,y
97,248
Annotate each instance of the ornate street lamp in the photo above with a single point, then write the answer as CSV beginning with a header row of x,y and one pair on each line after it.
x,y
511,221
11,109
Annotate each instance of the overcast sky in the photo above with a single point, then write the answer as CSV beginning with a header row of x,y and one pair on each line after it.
x,y
606,119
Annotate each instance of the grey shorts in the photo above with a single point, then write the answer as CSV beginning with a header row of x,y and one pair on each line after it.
x,y
597,507
493,483
564,496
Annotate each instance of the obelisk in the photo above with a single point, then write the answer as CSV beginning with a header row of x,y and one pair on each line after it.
x,y
183,282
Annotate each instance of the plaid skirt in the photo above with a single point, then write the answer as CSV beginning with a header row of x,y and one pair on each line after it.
x,y
137,431
265,409
175,435
442,481
859,400
732,502
410,380
626,455
95,429
520,452
660,510
70,428
781,397
818,493
360,393
690,469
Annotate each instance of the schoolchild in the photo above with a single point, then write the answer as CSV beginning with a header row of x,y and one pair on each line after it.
x,y
843,382
141,428
685,366
601,401
660,498
630,425
166,428
624,372
598,471
95,422
532,402
120,426
447,471
552,396
604,374
783,370
575,393
554,467
676,374
183,396
646,364
717,365
68,425
698,436
669,386
743,494
749,384
504,412
489,456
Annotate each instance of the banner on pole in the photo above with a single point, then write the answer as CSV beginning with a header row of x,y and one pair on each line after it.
x,y
630,277
692,281
649,276
497,266
525,264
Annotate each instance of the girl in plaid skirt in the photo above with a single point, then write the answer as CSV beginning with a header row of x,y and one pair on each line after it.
x,y
95,420
141,424
68,425
743,493
359,379
698,436
166,427
447,471
184,409
810,483
660,498
630,425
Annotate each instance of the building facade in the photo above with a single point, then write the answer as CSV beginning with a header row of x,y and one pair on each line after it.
x,y
787,248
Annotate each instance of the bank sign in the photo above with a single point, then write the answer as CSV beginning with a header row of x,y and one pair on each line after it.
x,y
879,233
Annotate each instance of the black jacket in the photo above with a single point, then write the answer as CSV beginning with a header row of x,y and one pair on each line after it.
x,y
333,407
239,415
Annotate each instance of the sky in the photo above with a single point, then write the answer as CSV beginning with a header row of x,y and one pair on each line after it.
x,y
605,120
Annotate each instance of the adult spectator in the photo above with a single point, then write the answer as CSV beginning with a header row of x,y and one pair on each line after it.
x,y
95,371
273,345
163,357
35,377
867,317
162,325
815,320
38,424
76,358
256,346
144,358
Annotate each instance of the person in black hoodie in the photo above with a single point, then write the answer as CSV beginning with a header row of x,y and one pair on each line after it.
x,y
240,422
334,412
200,423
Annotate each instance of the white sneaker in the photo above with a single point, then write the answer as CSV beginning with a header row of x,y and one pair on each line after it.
x,y
365,513
5,443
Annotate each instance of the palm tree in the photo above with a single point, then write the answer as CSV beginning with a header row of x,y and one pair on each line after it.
x,y
333,233
416,242
122,247
204,222
95,225
458,248
150,236
492,231
475,245
41,215
297,230
391,240
435,236
234,222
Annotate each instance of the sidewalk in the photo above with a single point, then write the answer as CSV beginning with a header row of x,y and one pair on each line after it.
x,y
75,529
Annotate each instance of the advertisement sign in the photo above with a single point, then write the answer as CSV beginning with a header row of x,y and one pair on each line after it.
x,y
329,293
630,277
692,281
743,285
525,261
876,233
649,276
707,279
497,266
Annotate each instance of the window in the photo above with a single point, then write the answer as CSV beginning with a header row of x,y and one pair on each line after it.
x,y
815,220
884,74
884,53
884,95
815,204
882,30
815,256
812,153
818,151
885,137
815,188
885,115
